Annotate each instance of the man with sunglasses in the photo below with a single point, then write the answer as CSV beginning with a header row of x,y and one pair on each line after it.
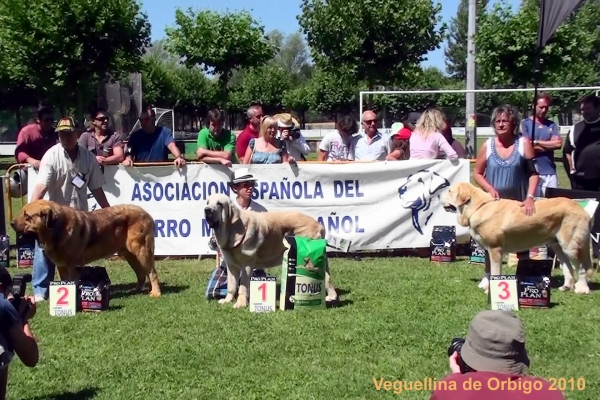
x,y
104,143
371,145
35,139
151,143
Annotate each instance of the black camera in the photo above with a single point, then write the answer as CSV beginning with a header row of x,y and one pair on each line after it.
x,y
294,134
456,346
17,290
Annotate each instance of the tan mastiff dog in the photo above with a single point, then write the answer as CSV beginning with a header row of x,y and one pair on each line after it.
x,y
250,240
501,226
72,238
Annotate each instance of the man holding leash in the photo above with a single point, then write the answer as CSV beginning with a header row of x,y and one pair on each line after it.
x,y
67,170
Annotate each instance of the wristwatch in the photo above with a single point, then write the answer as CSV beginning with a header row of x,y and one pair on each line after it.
x,y
530,196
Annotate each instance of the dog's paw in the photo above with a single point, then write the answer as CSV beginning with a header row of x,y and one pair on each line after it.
x,y
568,285
484,284
582,288
240,304
331,298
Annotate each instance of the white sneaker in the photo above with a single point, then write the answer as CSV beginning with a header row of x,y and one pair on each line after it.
x,y
39,298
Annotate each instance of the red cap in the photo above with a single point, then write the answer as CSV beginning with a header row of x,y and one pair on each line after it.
x,y
403,134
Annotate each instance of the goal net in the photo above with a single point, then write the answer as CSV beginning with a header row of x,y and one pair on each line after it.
x,y
393,106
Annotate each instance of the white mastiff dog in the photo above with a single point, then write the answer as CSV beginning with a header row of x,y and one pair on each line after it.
x,y
250,240
501,226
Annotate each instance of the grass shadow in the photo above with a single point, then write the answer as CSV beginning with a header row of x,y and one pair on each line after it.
x,y
84,394
129,289
341,303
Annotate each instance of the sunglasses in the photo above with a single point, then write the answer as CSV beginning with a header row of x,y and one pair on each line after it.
x,y
48,119
247,185
102,119
370,121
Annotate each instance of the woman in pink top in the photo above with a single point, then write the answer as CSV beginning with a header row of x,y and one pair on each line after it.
x,y
427,141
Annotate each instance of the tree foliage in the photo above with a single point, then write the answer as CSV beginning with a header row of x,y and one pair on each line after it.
x,y
507,45
218,43
371,40
456,50
61,48
265,85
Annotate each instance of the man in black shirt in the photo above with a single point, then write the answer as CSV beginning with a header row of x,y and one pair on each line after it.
x,y
581,154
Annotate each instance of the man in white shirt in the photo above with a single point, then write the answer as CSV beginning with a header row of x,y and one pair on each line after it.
x,y
371,145
67,170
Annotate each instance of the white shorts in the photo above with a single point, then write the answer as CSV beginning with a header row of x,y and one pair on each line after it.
x,y
546,181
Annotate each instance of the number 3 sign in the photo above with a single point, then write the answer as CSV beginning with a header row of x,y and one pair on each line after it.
x,y
503,292
263,293
63,299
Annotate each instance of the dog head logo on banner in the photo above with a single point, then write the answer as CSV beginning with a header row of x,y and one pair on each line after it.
x,y
417,192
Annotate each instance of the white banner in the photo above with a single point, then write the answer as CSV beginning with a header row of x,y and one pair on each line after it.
x,y
376,206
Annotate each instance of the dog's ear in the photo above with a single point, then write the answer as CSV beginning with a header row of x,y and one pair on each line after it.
x,y
463,195
48,217
237,230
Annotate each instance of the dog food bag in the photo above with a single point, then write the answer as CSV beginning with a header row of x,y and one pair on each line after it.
x,y
442,247
533,283
4,249
477,253
94,289
303,274
25,252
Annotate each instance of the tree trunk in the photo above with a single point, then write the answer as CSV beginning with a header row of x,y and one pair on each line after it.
x,y
18,119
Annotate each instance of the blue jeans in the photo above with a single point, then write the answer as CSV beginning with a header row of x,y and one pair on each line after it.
x,y
43,272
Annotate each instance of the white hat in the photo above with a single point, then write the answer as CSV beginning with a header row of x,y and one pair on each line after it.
x,y
242,175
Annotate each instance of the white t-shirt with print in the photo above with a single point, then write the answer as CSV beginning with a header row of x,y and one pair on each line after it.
x,y
336,147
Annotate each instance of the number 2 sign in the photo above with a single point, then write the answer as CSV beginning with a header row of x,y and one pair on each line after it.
x,y
62,299
263,293
503,292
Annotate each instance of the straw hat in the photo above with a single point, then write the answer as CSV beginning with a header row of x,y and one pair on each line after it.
x,y
286,121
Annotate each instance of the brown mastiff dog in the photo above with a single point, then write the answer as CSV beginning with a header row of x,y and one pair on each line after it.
x,y
72,238
501,227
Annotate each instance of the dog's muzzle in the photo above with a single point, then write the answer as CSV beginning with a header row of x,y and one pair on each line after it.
x,y
449,208
211,216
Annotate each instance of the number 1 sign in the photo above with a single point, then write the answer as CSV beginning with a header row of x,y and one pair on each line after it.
x,y
503,292
63,299
263,293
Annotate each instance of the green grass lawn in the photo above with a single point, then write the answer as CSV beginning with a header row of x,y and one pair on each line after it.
x,y
395,321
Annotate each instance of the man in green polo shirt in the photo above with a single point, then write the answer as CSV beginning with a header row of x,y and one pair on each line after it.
x,y
215,144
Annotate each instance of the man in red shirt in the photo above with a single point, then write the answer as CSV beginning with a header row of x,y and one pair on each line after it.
x,y
35,139
493,364
254,114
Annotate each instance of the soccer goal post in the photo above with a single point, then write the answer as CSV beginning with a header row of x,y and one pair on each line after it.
x,y
463,92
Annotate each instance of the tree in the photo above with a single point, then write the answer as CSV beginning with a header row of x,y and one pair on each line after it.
x,y
218,43
334,93
64,48
456,50
265,85
376,41
292,54
300,99
507,43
